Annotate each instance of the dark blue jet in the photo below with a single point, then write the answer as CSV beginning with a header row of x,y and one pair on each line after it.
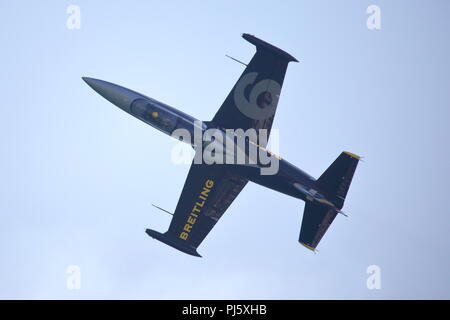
x,y
211,188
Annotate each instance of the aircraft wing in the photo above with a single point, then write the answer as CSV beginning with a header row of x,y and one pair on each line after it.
x,y
253,101
207,193
210,189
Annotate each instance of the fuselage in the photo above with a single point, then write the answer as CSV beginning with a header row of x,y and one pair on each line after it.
x,y
287,179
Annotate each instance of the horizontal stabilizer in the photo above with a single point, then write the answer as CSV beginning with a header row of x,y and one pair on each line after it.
x,y
320,212
316,220
335,181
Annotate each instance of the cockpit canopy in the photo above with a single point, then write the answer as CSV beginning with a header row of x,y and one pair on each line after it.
x,y
155,115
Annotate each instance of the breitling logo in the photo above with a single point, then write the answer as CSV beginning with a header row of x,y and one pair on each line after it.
x,y
192,218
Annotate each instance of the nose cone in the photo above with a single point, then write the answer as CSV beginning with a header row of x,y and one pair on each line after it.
x,y
120,96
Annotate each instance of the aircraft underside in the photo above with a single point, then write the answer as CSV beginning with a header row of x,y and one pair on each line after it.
x,y
211,186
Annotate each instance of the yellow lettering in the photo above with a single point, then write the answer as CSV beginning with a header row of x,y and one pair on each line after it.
x,y
191,220
205,191
200,204
184,235
209,184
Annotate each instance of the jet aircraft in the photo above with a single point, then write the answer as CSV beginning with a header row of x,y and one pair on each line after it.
x,y
210,188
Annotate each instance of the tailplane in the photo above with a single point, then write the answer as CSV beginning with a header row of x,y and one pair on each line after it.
x,y
335,181
333,184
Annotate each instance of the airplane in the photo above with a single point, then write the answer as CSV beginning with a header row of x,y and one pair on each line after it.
x,y
210,188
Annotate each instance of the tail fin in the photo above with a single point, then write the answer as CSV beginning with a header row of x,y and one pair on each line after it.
x,y
335,181
334,184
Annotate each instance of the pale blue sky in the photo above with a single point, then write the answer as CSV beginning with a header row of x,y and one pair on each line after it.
x,y
78,175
